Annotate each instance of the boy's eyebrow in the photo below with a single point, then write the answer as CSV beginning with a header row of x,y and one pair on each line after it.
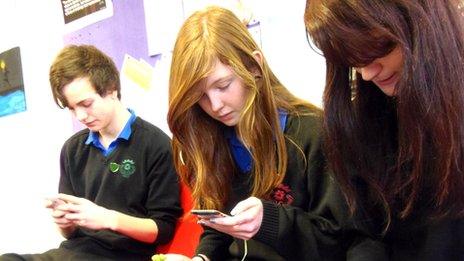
x,y
79,103
84,101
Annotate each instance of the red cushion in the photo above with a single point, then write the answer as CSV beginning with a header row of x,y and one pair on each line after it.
x,y
187,234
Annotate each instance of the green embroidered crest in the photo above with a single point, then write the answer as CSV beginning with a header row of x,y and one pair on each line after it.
x,y
126,168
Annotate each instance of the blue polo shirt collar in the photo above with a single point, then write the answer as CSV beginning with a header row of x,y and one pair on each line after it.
x,y
124,135
240,153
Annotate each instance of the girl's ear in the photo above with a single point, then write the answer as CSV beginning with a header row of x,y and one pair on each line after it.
x,y
259,58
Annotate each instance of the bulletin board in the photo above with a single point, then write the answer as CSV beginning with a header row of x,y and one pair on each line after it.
x,y
122,36
142,54
138,35
123,32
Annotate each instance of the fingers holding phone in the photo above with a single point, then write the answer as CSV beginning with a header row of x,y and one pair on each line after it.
x,y
245,222
53,202
58,215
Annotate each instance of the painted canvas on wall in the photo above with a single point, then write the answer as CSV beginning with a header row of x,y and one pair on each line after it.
x,y
12,98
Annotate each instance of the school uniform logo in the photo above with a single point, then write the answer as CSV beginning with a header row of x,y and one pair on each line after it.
x,y
126,168
282,195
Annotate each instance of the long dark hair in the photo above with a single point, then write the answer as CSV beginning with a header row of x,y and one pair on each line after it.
x,y
404,147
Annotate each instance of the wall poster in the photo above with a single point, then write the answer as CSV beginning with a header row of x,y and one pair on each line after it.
x,y
12,98
78,14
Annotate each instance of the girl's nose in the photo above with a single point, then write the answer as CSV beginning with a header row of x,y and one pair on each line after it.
x,y
370,71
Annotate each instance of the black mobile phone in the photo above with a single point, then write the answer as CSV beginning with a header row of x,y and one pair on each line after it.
x,y
208,213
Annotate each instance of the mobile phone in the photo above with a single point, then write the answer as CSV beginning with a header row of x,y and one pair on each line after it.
x,y
208,213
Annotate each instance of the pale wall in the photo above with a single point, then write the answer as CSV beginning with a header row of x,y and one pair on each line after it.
x,y
30,141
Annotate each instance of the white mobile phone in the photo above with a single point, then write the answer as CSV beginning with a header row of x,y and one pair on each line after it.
x,y
208,213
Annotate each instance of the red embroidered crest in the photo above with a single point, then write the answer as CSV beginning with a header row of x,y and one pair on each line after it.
x,y
281,194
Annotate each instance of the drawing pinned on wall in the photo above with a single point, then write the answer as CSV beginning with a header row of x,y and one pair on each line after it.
x,y
12,97
78,14
254,27
163,20
139,72
145,90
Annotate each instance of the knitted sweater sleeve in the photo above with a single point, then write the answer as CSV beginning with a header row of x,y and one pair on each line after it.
x,y
319,227
214,244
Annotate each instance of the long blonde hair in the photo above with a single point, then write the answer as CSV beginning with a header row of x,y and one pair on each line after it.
x,y
201,152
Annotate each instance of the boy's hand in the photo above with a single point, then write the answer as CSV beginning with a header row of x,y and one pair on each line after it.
x,y
85,213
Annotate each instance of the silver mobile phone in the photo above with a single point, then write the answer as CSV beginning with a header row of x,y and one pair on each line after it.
x,y
208,213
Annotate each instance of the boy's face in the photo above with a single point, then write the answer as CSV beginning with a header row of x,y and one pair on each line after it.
x,y
92,110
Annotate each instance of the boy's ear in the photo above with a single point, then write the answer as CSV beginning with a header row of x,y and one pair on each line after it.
x,y
113,94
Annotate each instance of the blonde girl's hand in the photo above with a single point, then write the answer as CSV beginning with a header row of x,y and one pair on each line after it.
x,y
245,221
